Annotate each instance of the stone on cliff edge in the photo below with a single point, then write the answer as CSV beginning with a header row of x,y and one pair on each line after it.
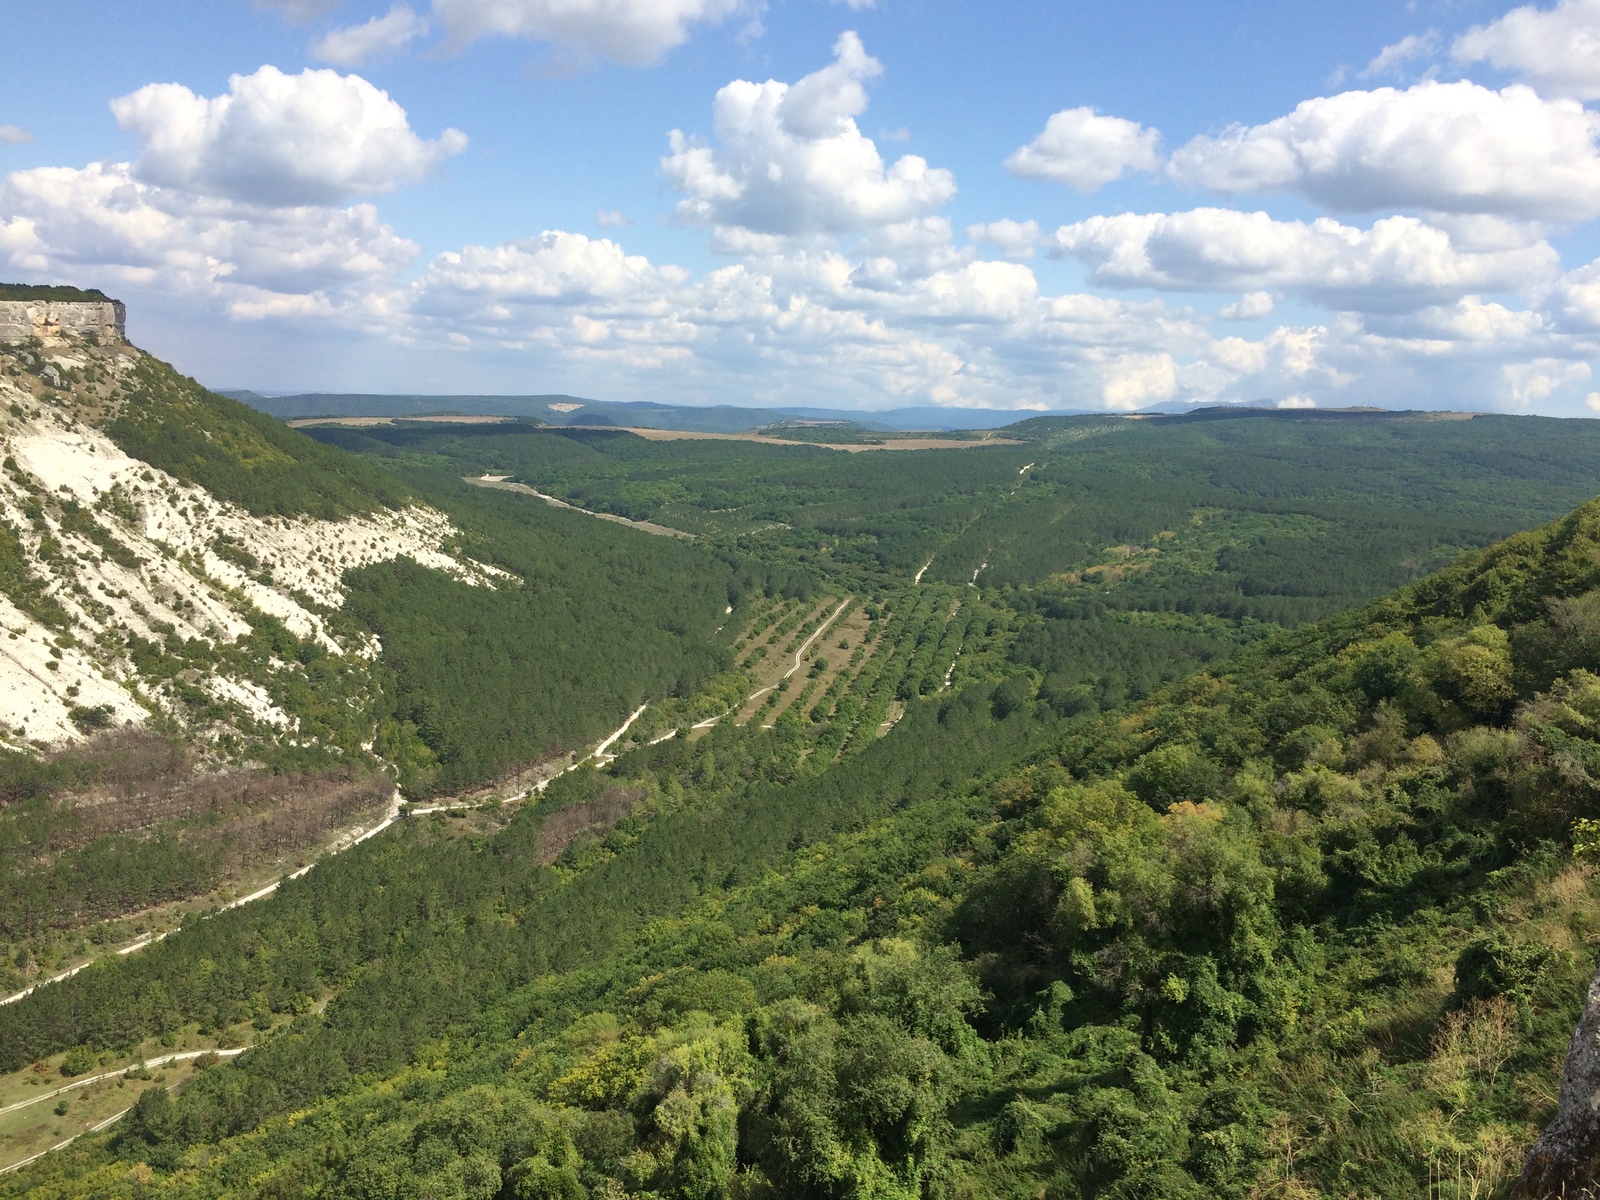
x,y
51,320
1565,1162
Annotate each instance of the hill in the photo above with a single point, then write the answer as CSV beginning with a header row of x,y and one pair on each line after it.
x,y
1167,806
1117,554
573,410
227,643
1314,924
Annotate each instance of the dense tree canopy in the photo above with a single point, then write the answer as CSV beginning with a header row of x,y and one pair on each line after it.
x,y
997,951
1114,841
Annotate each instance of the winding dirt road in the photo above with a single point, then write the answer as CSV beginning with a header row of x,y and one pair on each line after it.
x,y
395,812
164,1061
503,483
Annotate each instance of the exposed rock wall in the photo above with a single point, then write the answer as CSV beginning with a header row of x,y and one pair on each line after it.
x,y
1565,1162
103,321
149,555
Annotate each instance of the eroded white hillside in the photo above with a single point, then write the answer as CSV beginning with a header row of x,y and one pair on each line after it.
x,y
124,548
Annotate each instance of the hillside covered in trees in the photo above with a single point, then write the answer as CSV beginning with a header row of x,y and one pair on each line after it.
x,y
1315,921
1170,807
1125,553
226,644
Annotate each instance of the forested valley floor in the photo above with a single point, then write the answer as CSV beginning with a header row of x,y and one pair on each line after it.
x,y
1189,807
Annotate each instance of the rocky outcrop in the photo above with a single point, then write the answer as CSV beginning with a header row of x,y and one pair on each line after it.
x,y
112,549
1565,1162
98,320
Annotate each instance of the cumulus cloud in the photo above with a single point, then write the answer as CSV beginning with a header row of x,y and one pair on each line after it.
x,y
808,322
971,333
1400,262
634,32
611,219
1014,239
555,267
1249,307
1135,380
1574,302
1555,49
380,38
1530,382
804,323
103,221
1086,151
1391,58
891,255
11,135
850,284
790,160
310,139
1450,147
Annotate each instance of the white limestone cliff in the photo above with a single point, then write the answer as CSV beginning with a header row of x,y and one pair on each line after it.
x,y
50,321
189,565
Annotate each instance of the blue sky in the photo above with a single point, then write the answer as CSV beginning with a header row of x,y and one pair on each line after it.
x,y
1084,205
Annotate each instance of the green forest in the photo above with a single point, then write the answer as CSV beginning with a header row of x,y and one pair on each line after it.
x,y
1311,924
1125,553
473,682
1183,807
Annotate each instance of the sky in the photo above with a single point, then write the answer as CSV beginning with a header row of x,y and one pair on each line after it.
x,y
856,204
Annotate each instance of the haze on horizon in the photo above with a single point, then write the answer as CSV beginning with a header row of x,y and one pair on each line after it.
x,y
861,204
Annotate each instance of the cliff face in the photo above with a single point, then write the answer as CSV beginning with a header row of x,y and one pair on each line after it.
x,y
99,551
1565,1162
102,321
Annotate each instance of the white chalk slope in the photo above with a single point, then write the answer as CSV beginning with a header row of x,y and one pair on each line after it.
x,y
180,585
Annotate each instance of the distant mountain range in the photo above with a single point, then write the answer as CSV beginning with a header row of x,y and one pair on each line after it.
x,y
577,410
726,418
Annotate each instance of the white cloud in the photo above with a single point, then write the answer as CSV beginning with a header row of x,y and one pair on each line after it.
x,y
1249,307
1450,147
300,11
850,290
978,293
1014,239
910,318
611,219
1574,302
907,250
1407,49
636,32
1399,263
1297,401
1136,380
790,160
1530,382
1484,231
555,267
11,135
798,329
101,222
1556,49
1593,401
380,38
1086,151
803,325
314,138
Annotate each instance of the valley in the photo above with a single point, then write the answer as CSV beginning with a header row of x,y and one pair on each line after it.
x,y
1094,809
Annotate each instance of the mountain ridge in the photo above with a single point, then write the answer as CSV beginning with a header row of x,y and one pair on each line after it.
x,y
721,418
